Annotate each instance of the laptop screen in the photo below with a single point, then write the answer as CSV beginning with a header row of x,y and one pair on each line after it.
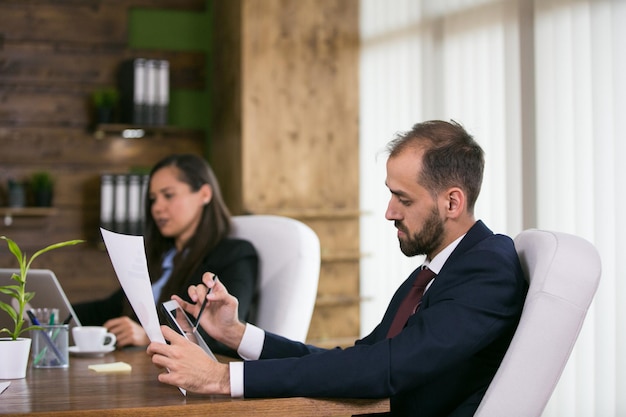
x,y
48,294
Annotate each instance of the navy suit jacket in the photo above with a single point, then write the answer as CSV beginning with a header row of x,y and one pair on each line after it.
x,y
442,361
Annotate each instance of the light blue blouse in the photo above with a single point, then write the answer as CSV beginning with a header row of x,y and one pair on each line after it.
x,y
167,266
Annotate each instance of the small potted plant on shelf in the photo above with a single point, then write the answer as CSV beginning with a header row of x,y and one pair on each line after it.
x,y
14,349
105,102
42,186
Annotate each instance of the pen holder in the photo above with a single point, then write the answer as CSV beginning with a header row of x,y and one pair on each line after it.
x,y
50,346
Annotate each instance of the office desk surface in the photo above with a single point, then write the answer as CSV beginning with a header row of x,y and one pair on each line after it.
x,y
79,391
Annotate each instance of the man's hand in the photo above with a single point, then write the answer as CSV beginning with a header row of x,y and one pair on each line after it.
x,y
219,318
189,366
127,331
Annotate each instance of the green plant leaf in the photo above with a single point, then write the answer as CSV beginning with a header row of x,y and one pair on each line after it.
x,y
9,309
25,329
19,291
12,290
28,296
15,250
51,247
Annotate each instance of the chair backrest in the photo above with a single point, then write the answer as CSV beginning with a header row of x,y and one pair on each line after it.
x,y
563,272
289,266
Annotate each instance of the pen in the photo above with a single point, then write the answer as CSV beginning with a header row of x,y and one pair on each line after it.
x,y
195,326
46,337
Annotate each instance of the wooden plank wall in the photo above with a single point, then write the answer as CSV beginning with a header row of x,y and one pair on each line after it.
x,y
286,131
53,55
285,138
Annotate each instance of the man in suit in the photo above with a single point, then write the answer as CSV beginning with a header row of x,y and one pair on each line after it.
x,y
440,360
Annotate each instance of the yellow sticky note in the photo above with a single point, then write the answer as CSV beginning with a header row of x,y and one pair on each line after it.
x,y
111,367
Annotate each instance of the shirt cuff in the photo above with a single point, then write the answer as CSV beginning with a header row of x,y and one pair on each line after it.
x,y
236,379
251,343
249,349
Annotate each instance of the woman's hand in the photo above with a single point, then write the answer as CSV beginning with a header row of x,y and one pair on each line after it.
x,y
188,365
127,331
219,317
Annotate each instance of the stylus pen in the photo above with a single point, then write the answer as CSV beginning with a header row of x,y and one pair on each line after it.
x,y
46,337
195,326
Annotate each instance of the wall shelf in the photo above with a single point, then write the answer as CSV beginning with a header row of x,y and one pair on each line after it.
x,y
104,130
8,213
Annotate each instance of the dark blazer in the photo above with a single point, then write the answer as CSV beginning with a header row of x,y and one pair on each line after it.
x,y
235,261
443,360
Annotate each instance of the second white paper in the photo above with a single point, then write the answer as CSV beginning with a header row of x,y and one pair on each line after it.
x,y
128,257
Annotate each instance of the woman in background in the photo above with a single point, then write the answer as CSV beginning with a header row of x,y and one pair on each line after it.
x,y
186,234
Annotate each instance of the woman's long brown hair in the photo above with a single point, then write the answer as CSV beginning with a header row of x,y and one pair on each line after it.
x,y
213,227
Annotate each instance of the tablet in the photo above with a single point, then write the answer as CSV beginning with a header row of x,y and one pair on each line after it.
x,y
179,321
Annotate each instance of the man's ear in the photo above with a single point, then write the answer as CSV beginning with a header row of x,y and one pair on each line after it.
x,y
454,202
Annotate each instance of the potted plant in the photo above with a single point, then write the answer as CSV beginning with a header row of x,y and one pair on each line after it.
x,y
105,102
42,186
14,349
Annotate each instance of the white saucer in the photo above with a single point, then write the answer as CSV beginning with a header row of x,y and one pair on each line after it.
x,y
74,350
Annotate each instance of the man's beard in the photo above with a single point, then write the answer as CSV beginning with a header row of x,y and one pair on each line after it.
x,y
426,240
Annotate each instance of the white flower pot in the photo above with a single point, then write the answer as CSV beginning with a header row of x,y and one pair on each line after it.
x,y
14,357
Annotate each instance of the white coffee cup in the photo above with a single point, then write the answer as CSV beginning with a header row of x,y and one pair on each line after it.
x,y
93,338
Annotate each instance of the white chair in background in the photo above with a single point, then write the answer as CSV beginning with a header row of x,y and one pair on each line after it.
x,y
563,272
289,268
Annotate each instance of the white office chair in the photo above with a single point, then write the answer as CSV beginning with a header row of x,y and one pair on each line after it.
x,y
563,271
289,269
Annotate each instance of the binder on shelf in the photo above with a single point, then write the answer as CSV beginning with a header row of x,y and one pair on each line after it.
x,y
122,204
106,201
144,91
134,204
120,214
132,85
162,92
151,92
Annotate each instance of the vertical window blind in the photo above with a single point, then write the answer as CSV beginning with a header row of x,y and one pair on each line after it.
x,y
542,87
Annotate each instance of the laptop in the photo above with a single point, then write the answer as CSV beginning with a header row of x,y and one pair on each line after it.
x,y
48,294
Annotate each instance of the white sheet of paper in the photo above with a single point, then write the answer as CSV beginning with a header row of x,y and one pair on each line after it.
x,y
4,385
128,257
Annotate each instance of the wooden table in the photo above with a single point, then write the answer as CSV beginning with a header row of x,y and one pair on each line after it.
x,y
79,391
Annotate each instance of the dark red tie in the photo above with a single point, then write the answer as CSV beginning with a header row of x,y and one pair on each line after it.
x,y
411,302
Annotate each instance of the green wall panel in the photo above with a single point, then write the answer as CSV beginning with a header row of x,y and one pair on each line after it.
x,y
179,31
167,29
